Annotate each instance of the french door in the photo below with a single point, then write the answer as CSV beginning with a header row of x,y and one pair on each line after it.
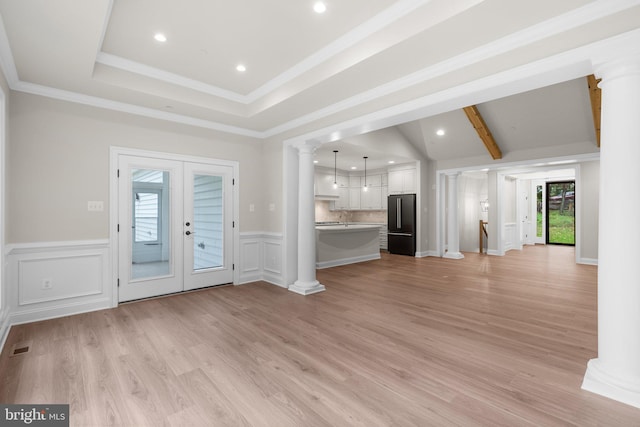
x,y
539,212
175,220
560,214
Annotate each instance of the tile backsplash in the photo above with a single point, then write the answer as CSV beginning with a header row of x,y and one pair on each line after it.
x,y
324,214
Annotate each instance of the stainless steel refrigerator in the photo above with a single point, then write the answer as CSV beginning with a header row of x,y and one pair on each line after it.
x,y
402,224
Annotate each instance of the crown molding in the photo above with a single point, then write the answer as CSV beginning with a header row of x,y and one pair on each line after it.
x,y
7,63
108,104
165,76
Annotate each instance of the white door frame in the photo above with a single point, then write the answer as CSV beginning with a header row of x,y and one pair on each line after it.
x,y
534,211
114,153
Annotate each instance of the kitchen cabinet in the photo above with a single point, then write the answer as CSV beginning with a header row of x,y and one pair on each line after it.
x,y
350,194
354,197
324,184
342,203
385,195
402,181
372,198
373,181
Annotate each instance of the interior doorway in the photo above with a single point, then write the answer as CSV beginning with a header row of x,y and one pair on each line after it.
x,y
176,225
560,213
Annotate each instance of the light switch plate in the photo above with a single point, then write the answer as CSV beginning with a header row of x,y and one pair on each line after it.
x,y
95,206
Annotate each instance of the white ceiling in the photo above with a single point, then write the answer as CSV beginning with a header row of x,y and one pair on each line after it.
x,y
306,71
554,115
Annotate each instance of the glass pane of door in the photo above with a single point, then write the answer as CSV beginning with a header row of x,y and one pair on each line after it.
x,y
151,244
539,219
208,221
208,225
561,213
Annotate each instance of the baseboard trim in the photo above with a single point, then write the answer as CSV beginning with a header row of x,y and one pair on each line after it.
x,y
597,381
37,314
274,280
246,279
345,261
425,254
588,261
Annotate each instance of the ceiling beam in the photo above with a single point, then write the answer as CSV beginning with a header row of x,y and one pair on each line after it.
x,y
595,93
483,131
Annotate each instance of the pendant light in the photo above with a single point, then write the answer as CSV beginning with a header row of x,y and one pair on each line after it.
x,y
365,174
335,169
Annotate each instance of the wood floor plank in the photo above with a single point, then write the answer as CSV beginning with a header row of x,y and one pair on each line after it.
x,y
397,341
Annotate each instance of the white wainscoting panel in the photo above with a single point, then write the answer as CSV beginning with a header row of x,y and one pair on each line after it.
x,y
510,236
5,325
48,280
250,255
261,258
272,259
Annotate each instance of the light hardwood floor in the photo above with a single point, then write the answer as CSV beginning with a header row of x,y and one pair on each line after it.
x,y
398,341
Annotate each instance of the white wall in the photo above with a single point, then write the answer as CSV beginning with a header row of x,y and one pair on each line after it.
x,y
59,159
589,192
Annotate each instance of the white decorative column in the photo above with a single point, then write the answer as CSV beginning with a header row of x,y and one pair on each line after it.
x,y
616,371
306,283
453,233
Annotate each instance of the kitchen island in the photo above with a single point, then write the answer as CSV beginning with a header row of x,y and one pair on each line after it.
x,y
346,244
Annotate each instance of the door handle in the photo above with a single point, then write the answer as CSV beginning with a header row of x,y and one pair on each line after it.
x,y
188,233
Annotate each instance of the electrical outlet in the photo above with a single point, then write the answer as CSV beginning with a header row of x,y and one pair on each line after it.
x,y
47,284
252,207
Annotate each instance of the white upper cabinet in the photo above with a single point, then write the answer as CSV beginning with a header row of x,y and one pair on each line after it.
x,y
402,181
372,198
324,184
354,198
373,180
354,181
350,194
343,199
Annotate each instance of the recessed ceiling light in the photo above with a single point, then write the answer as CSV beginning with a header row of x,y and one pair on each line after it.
x,y
391,162
440,132
353,168
319,7
241,68
315,161
160,37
